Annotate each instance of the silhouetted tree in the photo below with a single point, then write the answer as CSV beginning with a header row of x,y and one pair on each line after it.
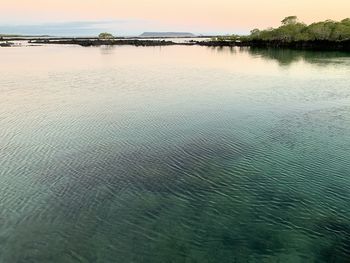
x,y
105,35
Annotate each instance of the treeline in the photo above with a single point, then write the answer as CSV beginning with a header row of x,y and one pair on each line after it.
x,y
293,30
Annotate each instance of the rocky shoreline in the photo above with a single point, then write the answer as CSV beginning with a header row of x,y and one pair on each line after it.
x,y
6,44
99,42
299,45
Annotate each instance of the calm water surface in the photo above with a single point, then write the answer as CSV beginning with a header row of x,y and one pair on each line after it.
x,y
174,154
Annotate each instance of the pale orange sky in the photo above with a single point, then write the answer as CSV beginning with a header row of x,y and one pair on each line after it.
x,y
198,15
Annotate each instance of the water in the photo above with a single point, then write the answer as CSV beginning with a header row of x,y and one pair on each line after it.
x,y
174,154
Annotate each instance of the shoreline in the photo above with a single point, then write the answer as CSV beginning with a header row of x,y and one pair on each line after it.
x,y
319,45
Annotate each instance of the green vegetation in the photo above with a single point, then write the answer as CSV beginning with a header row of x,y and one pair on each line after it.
x,y
105,36
293,30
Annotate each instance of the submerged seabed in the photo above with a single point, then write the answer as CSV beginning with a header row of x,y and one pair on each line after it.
x,y
174,154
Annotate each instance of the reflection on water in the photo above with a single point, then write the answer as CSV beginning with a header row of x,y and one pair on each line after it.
x,y
148,154
285,57
288,56
107,50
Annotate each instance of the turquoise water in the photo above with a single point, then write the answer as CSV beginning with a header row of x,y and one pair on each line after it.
x,y
174,154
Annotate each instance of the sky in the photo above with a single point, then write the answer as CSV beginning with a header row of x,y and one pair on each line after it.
x,y
132,17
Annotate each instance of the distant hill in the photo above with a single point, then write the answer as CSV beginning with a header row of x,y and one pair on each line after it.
x,y
167,34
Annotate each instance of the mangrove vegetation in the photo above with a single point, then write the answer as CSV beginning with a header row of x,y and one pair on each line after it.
x,y
292,29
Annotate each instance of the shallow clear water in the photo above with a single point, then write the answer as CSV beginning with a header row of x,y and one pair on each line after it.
x,y
174,154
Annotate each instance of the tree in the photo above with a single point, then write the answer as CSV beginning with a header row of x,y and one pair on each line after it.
x,y
290,20
321,30
105,36
341,31
346,21
255,31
